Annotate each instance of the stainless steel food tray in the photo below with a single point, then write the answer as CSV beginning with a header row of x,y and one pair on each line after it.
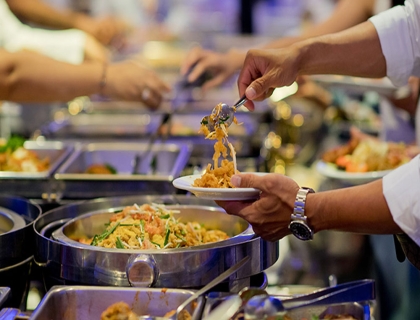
x,y
356,310
157,168
88,302
102,125
4,293
56,151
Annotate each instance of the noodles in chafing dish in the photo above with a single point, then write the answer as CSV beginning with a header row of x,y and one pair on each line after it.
x,y
152,226
218,177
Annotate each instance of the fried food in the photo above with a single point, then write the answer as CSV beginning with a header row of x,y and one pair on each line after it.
x,y
183,315
152,226
23,160
122,311
118,311
215,176
14,157
98,168
364,154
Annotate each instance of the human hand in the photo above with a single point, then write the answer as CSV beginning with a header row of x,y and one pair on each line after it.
x,y
95,51
220,66
105,29
270,214
129,80
265,70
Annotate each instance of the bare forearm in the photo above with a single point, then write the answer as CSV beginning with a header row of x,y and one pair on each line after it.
x,y
37,11
346,14
355,52
27,76
361,209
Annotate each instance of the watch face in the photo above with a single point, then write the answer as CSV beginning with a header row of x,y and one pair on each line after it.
x,y
300,230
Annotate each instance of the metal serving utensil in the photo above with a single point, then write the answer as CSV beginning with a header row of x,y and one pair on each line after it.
x,y
230,306
354,291
182,93
224,115
225,310
226,274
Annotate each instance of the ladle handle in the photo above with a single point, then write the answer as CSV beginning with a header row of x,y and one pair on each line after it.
x,y
241,101
213,283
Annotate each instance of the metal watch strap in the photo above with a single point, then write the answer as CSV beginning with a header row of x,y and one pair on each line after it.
x,y
299,224
300,201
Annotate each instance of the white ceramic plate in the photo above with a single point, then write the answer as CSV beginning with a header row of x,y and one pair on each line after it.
x,y
329,170
185,183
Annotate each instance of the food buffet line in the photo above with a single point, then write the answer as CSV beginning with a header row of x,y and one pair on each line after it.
x,y
108,155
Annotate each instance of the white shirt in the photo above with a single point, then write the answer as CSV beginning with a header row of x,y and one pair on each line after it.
x,y
399,33
64,45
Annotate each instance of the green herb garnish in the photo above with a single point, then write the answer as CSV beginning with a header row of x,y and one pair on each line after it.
x,y
119,243
155,243
165,242
104,235
110,168
13,143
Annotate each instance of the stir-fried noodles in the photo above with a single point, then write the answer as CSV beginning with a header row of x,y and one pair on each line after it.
x,y
218,176
152,226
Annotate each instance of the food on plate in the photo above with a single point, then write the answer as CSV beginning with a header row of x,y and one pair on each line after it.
x,y
216,176
152,226
14,157
364,154
101,168
122,311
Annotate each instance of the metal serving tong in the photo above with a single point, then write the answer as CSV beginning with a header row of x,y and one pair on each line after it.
x,y
355,291
182,94
223,276
222,115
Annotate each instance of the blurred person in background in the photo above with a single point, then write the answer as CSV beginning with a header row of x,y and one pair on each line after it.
x,y
80,66
27,76
386,206
105,29
347,13
72,45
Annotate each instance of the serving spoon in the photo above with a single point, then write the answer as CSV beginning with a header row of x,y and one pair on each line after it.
x,y
226,274
223,115
355,291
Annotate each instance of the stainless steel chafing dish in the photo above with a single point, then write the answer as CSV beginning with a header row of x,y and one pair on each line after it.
x,y
56,151
16,245
105,125
158,166
88,302
66,261
34,184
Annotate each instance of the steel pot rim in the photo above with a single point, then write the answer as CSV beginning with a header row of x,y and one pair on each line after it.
x,y
61,237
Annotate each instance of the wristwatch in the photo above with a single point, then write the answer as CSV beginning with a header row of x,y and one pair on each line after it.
x,y
299,224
